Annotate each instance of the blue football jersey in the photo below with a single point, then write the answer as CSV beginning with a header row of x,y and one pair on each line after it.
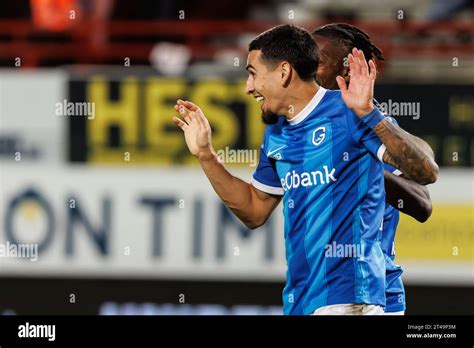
x,y
326,162
394,291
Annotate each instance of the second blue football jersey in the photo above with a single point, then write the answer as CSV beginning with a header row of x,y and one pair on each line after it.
x,y
394,291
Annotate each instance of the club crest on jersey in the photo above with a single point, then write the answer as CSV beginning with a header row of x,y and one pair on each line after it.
x,y
318,135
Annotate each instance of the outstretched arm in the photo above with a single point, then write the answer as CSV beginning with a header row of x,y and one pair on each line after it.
x,y
404,151
252,206
407,196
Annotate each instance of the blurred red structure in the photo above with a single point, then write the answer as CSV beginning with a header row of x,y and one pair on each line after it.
x,y
54,15
135,39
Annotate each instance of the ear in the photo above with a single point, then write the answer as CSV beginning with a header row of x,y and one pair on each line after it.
x,y
345,73
285,71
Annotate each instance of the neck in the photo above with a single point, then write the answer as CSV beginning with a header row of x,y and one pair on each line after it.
x,y
299,98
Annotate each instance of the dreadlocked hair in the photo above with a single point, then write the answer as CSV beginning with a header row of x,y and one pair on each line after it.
x,y
350,36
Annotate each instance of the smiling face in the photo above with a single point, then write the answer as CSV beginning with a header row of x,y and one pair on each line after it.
x,y
331,63
281,64
264,84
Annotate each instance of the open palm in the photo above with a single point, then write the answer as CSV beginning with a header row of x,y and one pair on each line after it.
x,y
196,128
360,93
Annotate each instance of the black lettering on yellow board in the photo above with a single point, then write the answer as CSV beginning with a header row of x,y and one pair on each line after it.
x,y
133,116
121,113
160,96
151,137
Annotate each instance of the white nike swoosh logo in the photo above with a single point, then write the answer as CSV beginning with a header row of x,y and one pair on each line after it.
x,y
273,151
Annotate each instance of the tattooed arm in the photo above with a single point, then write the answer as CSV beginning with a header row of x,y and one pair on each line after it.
x,y
410,154
404,151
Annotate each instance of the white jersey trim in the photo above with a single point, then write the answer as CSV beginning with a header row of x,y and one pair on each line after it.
x,y
397,172
309,107
381,151
266,188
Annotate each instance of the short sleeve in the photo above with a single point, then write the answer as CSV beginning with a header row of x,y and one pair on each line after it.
x,y
265,178
392,169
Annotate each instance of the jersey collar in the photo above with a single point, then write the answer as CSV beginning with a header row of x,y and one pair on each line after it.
x,y
309,107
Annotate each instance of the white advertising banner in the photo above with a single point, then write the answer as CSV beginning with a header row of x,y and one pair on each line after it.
x,y
130,222
30,127
119,221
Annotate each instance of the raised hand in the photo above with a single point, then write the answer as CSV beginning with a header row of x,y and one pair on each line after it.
x,y
196,128
360,93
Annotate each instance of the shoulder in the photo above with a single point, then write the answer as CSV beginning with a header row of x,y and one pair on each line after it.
x,y
333,97
338,110
333,102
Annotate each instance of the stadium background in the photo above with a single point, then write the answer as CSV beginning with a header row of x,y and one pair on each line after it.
x,y
125,220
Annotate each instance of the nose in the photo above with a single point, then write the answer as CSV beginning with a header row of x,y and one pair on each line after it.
x,y
249,86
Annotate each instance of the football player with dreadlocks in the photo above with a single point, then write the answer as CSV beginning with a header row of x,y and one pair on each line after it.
x,y
336,42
